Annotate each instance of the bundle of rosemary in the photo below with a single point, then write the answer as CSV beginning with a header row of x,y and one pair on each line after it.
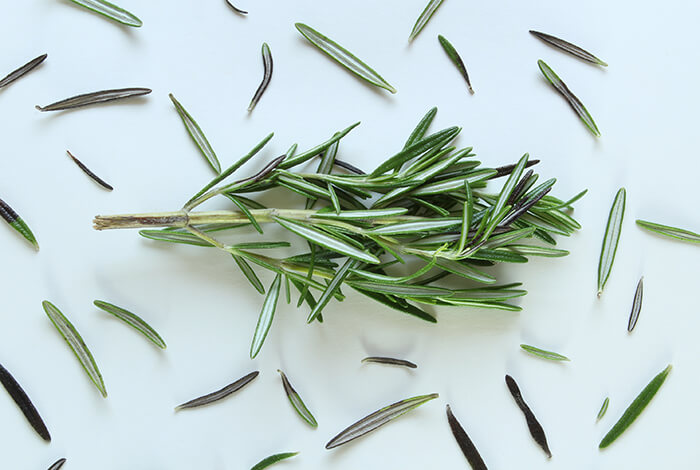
x,y
426,207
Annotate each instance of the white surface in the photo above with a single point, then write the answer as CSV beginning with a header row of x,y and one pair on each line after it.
x,y
645,105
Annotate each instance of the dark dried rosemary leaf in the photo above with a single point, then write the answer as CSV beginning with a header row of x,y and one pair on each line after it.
x,y
22,71
267,75
237,10
58,464
96,97
24,403
16,222
568,47
390,361
468,448
219,394
87,171
533,425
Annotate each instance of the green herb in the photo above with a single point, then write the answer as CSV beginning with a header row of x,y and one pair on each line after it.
x,y
378,418
110,11
22,71
96,97
573,101
636,305
533,425
465,443
456,59
266,462
267,75
21,399
603,409
87,171
16,222
568,47
77,345
344,57
427,207
133,321
549,355
673,232
297,402
635,409
611,239
266,316
197,135
219,394
424,17
389,360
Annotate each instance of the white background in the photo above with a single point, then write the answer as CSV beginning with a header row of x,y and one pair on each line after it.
x,y
645,104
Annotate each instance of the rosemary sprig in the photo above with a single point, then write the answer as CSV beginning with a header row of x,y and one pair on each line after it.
x,y
344,57
426,206
635,409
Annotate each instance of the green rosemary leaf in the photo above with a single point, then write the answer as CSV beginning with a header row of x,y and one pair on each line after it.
x,y
466,218
498,241
229,171
667,231
331,243
422,128
266,462
407,228
22,71
325,166
611,239
431,207
312,152
479,304
393,279
454,184
573,101
344,57
636,305
568,203
508,187
549,355
427,143
200,140
394,303
331,289
266,315
110,11
498,255
464,270
248,272
77,345
493,293
246,212
635,408
287,290
407,290
566,46
133,321
369,214
532,250
456,60
16,222
424,17
603,409
297,402
378,418
267,75
186,238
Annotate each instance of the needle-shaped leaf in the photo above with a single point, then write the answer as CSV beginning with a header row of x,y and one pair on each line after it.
x,y
362,215
573,101
344,57
110,11
297,402
424,17
407,228
16,222
532,250
89,172
673,232
236,9
247,270
378,418
534,426
611,239
635,409
57,464
132,320
273,459
465,443
568,47
267,76
407,290
219,394
324,239
422,128
636,305
77,345
549,355
96,97
396,304
331,289
390,361
267,314
603,409
456,60
508,187
20,397
200,140
22,71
